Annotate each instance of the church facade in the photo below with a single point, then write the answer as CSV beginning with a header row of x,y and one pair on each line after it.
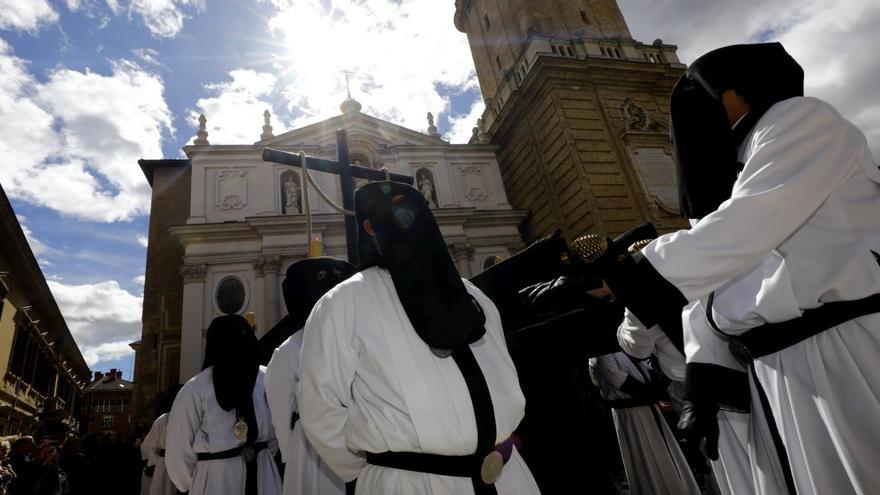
x,y
225,226
579,112
574,137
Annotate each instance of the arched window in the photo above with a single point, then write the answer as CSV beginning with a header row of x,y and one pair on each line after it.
x,y
427,186
291,193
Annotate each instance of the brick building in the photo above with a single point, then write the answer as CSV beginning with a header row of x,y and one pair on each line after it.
x,y
579,112
43,371
107,404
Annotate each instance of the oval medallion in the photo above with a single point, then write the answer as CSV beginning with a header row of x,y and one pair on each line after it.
x,y
240,429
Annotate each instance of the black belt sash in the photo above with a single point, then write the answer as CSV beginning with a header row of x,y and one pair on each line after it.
x,y
773,337
466,466
249,453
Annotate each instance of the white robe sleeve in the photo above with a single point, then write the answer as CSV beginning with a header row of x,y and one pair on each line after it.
x,y
794,163
280,386
183,422
328,365
636,339
150,445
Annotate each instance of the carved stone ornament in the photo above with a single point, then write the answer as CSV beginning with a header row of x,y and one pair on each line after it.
x,y
635,117
462,251
193,273
474,183
270,264
232,189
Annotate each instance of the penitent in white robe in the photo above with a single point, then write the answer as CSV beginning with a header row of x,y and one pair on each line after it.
x,y
370,384
197,424
152,444
803,222
652,459
304,472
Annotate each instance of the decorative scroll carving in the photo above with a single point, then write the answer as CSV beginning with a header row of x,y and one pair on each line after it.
x,y
635,117
232,189
474,183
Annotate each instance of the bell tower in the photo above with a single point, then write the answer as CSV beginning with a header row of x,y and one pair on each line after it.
x,y
579,111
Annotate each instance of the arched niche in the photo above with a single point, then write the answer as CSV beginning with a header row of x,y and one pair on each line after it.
x,y
426,185
291,192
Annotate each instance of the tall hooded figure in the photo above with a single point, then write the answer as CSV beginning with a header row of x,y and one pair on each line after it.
x,y
406,381
779,276
304,471
220,439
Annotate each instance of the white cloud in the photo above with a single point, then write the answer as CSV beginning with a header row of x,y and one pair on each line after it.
x,y
103,317
26,15
829,38
463,125
107,352
235,111
400,52
142,240
164,18
140,279
70,143
149,56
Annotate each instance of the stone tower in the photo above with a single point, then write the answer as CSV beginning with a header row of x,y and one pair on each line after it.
x,y
579,112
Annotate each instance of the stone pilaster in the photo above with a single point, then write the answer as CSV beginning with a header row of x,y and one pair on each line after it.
x,y
193,324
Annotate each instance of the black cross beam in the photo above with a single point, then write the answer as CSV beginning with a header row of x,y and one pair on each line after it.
x,y
347,173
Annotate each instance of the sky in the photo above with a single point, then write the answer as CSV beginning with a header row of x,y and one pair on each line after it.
x,y
87,87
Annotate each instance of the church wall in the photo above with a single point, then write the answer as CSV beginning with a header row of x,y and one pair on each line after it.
x,y
565,152
157,359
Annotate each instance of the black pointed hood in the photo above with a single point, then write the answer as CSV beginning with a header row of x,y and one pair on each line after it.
x,y
408,243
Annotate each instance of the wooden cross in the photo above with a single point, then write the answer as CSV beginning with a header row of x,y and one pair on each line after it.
x,y
347,173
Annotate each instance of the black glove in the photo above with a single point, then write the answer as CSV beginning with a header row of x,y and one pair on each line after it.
x,y
149,470
699,424
558,294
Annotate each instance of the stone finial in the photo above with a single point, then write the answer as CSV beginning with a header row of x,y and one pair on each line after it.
x,y
202,133
267,127
432,129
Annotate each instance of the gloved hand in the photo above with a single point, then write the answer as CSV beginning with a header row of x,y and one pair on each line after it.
x,y
699,424
558,293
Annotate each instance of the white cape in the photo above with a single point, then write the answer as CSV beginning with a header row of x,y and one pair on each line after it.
x,y
197,424
304,472
370,384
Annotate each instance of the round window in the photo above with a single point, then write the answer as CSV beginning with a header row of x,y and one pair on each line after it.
x,y
230,295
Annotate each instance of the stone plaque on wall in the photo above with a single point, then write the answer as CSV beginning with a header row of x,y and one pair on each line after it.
x,y
658,174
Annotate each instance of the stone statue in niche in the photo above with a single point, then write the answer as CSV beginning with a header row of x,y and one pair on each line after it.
x,y
426,187
291,197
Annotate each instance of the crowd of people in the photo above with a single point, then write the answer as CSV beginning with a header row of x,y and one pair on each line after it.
x,y
100,463
757,328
